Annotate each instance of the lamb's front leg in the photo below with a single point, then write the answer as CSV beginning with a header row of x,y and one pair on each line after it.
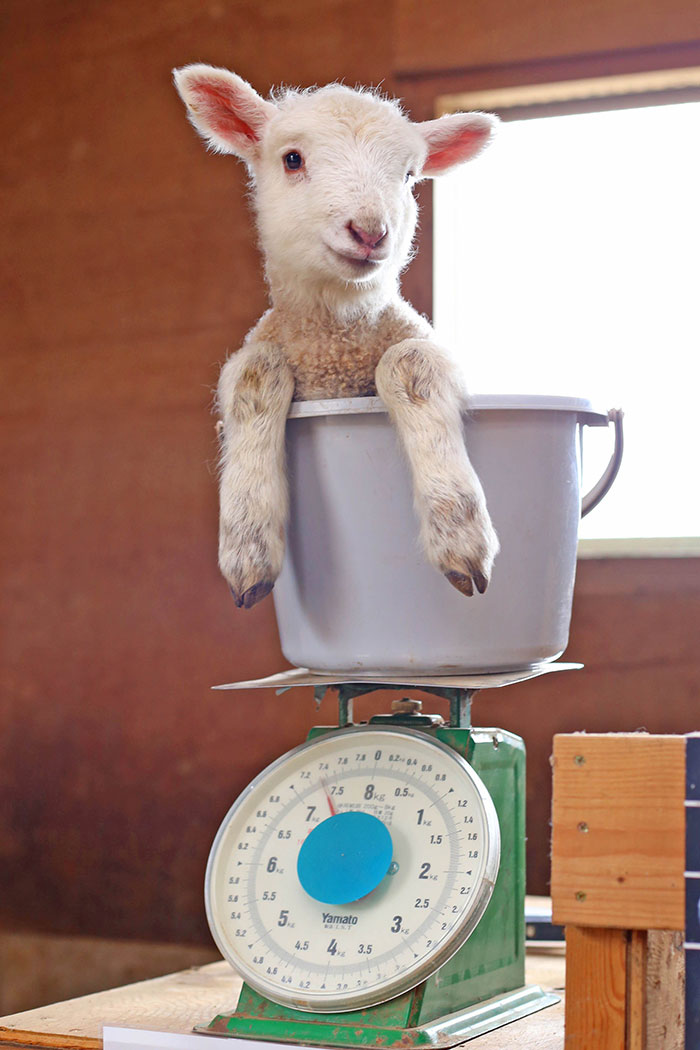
x,y
421,390
254,394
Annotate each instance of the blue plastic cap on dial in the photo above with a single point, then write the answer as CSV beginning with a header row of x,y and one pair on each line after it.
x,y
345,857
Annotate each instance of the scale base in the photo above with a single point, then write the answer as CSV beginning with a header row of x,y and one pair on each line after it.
x,y
315,1030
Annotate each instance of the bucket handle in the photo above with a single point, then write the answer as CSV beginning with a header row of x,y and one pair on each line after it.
x,y
604,483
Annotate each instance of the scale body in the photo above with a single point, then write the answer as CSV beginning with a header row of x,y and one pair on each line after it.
x,y
482,984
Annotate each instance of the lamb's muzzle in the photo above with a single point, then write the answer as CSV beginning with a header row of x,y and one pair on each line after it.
x,y
367,239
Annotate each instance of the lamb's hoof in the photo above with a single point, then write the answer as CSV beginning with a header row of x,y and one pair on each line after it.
x,y
480,581
465,583
253,595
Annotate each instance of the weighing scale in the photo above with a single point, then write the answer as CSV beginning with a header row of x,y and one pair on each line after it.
x,y
369,885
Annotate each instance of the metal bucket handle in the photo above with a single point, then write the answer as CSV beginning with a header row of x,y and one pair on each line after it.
x,y
603,485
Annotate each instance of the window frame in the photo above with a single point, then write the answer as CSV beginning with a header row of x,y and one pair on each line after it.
x,y
583,95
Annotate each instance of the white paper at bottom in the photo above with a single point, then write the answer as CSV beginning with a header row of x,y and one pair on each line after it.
x,y
141,1039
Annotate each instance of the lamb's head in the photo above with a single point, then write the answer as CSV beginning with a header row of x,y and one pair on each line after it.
x,y
333,171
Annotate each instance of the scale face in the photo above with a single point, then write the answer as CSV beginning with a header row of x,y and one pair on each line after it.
x,y
352,868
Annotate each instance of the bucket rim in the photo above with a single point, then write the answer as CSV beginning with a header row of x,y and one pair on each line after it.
x,y
346,406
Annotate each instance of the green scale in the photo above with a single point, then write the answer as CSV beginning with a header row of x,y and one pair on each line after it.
x,y
369,885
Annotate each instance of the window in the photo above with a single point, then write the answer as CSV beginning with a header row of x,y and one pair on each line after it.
x,y
567,261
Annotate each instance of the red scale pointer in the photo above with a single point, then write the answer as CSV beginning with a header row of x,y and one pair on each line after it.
x,y
328,797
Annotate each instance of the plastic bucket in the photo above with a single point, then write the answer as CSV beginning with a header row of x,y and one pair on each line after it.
x,y
356,593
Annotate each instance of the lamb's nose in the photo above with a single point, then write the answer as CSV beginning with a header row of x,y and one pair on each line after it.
x,y
365,237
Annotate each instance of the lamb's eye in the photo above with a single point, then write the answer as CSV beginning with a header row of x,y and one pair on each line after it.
x,y
293,161
409,175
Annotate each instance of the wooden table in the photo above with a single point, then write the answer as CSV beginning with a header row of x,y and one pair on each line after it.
x,y
179,1001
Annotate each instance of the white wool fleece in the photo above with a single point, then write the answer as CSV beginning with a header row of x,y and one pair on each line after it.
x,y
332,174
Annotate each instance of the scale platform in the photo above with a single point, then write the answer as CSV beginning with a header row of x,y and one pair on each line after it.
x,y
439,996
458,689
304,676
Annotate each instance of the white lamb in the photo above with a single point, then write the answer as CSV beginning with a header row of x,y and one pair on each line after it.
x,y
332,173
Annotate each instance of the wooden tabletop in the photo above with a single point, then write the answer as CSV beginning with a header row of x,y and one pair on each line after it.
x,y
178,1002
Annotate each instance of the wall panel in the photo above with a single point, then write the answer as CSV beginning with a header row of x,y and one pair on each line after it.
x,y
453,35
130,269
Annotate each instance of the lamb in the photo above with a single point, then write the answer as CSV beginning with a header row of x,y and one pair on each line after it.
x,y
332,171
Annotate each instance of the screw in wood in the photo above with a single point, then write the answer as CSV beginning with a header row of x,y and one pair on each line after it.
x,y
580,896
579,760
583,826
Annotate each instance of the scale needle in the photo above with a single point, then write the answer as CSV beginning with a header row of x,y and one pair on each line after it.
x,y
328,797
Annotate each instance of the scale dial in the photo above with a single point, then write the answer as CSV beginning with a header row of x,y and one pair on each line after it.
x,y
410,873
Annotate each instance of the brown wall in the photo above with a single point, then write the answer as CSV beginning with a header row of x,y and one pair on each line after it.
x,y
130,271
454,35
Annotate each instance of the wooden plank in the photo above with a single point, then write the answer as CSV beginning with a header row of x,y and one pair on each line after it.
x,y
31,1040
618,829
38,968
595,1012
691,944
179,1001
449,34
636,992
665,1009
174,1003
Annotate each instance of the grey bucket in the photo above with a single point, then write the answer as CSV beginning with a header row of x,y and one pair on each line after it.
x,y
356,593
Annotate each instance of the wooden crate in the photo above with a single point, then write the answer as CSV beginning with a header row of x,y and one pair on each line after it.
x,y
618,885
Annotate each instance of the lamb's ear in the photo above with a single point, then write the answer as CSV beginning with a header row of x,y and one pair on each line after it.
x,y
455,138
224,108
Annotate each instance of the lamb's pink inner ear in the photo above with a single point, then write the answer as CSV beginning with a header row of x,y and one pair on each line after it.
x,y
454,140
216,107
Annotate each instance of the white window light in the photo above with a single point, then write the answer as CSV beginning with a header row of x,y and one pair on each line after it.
x,y
567,261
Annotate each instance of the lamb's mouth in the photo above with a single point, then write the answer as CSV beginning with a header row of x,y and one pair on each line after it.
x,y
358,262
